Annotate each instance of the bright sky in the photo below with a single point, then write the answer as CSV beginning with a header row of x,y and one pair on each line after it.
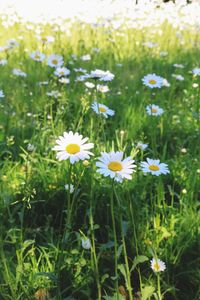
x,y
33,9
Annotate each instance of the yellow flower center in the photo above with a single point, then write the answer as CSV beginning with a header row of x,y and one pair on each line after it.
x,y
115,166
156,267
37,56
152,81
102,109
54,62
154,168
73,148
61,72
154,110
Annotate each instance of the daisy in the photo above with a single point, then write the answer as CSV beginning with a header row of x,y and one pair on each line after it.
x,y
89,85
141,146
19,72
55,60
101,75
153,81
154,167
154,110
102,109
86,57
2,94
102,88
178,66
196,71
157,265
37,56
70,188
61,71
72,145
46,39
178,77
111,164
64,80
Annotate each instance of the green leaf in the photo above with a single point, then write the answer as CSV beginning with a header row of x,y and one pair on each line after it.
x,y
138,260
147,292
50,275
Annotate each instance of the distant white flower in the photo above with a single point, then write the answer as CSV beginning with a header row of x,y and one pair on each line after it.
x,y
80,70
1,94
3,62
46,39
165,83
43,82
101,75
157,265
152,81
195,85
54,94
86,244
141,146
154,110
154,167
178,66
196,71
86,57
30,147
55,60
111,164
163,53
102,109
150,44
89,85
64,80
178,77
82,77
61,71
19,73
12,43
70,188
72,146
37,56
102,88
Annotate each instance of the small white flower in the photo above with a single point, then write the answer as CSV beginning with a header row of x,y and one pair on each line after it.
x,y
86,57
141,146
154,167
70,188
196,71
89,85
72,146
82,77
46,39
19,73
178,66
61,71
178,77
80,70
152,81
54,94
37,56
55,60
64,80
111,164
102,88
30,147
154,110
157,265
86,244
165,83
1,94
3,62
101,75
163,53
102,109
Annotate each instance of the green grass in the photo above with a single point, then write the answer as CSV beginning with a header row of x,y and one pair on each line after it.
x,y
42,225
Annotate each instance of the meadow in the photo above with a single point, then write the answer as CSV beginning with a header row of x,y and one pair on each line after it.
x,y
114,216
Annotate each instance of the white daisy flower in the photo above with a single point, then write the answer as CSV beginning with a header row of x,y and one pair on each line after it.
x,y
46,39
86,57
37,56
154,110
178,77
141,146
54,94
102,109
86,244
61,71
178,66
3,62
2,94
111,164
102,88
72,146
70,188
196,71
152,81
64,80
55,60
89,85
19,72
154,167
102,75
157,265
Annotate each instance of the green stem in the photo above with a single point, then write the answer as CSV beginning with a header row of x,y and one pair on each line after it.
x,y
158,285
